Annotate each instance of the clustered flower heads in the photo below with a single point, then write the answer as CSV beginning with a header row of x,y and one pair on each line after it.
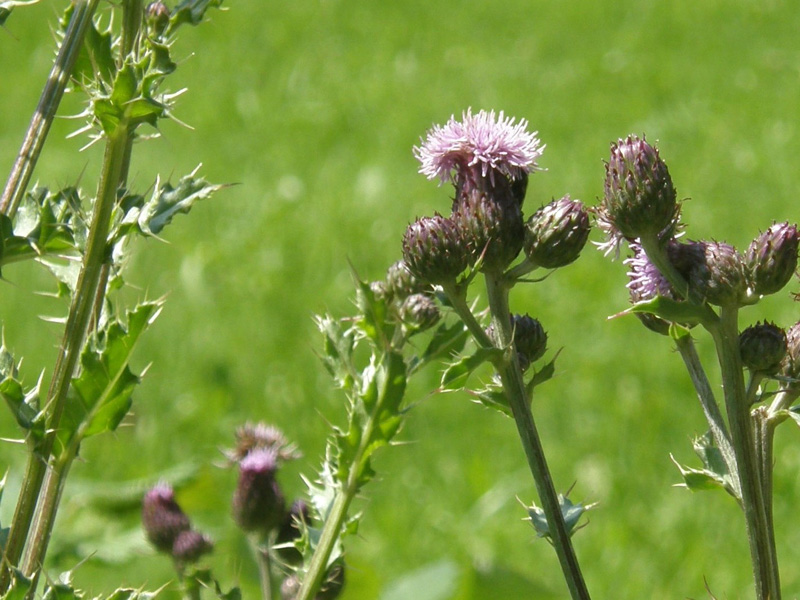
x,y
169,529
487,157
640,207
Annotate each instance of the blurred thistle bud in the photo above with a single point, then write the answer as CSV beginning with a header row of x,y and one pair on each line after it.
x,y
771,259
434,250
190,545
290,530
556,233
763,347
290,587
717,273
162,518
639,198
480,147
419,312
400,283
333,584
258,504
530,339
252,436
790,366
157,17
492,226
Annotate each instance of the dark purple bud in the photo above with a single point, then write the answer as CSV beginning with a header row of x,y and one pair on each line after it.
x,y
162,518
530,339
290,530
434,250
420,312
334,582
719,277
190,545
492,225
400,283
790,366
258,504
639,199
556,233
772,258
763,347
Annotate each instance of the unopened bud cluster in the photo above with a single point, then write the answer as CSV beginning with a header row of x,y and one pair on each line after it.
x,y
488,159
640,207
169,529
763,347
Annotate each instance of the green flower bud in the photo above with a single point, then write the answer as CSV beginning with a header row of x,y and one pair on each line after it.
x,y
434,250
419,311
771,259
719,277
162,518
157,17
491,224
190,545
763,347
258,504
400,283
639,198
556,233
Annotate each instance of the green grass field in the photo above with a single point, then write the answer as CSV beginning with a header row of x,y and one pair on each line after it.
x,y
313,107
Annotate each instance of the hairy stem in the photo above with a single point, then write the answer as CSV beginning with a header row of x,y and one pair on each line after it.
x,y
39,126
514,386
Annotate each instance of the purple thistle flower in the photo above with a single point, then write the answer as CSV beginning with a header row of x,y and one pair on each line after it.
x,y
258,503
483,143
162,518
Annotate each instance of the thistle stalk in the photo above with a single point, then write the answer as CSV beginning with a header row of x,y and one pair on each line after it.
x,y
514,387
762,551
42,119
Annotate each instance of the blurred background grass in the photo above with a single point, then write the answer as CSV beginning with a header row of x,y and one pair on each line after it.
x,y
313,106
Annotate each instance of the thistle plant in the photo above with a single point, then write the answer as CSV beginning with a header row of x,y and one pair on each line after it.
x,y
678,287
83,238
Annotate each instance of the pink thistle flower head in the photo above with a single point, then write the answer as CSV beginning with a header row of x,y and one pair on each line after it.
x,y
483,143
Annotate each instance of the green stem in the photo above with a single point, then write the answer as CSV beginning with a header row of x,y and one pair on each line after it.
x,y
514,387
763,557
337,513
261,552
705,394
40,123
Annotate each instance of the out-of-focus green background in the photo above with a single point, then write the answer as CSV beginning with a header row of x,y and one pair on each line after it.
x,y
313,106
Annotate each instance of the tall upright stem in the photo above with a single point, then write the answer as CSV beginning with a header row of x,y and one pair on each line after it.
x,y
762,551
42,118
514,387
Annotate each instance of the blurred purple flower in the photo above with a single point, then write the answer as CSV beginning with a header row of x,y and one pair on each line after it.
x,y
485,143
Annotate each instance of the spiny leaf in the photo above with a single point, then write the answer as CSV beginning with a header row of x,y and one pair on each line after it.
x,y
674,311
167,201
447,340
570,511
191,12
456,374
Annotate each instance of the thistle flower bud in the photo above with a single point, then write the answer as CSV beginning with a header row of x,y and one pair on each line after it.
x,y
639,199
258,504
530,339
790,365
400,283
434,250
771,259
492,226
719,276
556,233
334,582
290,531
763,347
157,17
162,518
419,311
190,545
